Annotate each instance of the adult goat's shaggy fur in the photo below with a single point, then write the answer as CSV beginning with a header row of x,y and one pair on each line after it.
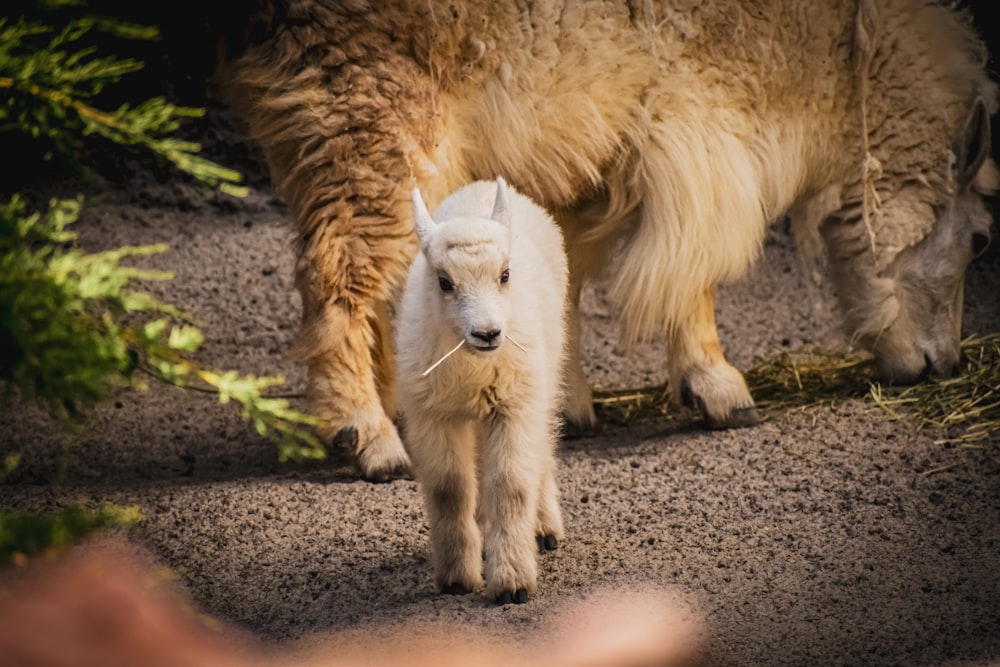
x,y
482,426
662,135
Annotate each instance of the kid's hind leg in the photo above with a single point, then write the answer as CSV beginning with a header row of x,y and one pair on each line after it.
x,y
444,463
703,377
549,532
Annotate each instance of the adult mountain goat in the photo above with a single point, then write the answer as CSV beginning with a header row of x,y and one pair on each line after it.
x,y
482,428
662,135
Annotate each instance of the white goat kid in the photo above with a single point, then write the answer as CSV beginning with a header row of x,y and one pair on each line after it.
x,y
480,349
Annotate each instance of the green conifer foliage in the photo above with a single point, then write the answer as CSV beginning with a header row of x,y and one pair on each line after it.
x,y
48,81
23,535
74,326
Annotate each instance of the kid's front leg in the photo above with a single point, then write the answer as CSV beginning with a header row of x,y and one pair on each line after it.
x,y
511,466
444,460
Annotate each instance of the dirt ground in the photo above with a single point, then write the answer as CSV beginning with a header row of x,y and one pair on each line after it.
x,y
833,536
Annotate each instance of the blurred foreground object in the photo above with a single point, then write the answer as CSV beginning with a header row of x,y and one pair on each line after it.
x,y
105,604
108,604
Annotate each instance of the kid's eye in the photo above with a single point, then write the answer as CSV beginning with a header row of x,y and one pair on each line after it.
x,y
505,276
445,284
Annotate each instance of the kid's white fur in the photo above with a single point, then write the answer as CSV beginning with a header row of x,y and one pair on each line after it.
x,y
481,426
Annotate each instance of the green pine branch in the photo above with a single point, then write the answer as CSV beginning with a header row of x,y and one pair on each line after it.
x,y
49,88
73,325
73,328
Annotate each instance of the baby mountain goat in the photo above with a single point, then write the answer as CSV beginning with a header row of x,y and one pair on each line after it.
x,y
480,349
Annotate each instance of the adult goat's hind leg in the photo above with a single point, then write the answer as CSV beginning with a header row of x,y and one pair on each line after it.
x,y
349,360
578,401
345,140
702,376
586,257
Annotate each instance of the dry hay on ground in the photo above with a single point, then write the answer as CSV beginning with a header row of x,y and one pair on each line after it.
x,y
966,408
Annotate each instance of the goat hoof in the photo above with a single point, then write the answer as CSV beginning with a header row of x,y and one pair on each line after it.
x,y
346,438
738,418
714,407
687,395
455,589
547,543
574,430
382,459
520,596
383,476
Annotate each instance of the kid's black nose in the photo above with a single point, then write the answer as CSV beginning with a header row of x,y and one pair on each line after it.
x,y
489,337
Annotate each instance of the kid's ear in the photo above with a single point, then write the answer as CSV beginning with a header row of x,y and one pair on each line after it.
x,y
422,218
500,207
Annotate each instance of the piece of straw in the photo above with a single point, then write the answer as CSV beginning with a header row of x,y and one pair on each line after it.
x,y
516,344
438,362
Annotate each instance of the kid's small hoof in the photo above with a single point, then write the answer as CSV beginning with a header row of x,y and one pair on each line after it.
x,y
547,543
455,589
738,418
520,596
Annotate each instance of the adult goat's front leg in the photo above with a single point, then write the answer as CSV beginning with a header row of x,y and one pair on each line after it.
x,y
701,374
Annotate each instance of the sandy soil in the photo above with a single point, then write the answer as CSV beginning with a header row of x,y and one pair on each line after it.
x,y
830,537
